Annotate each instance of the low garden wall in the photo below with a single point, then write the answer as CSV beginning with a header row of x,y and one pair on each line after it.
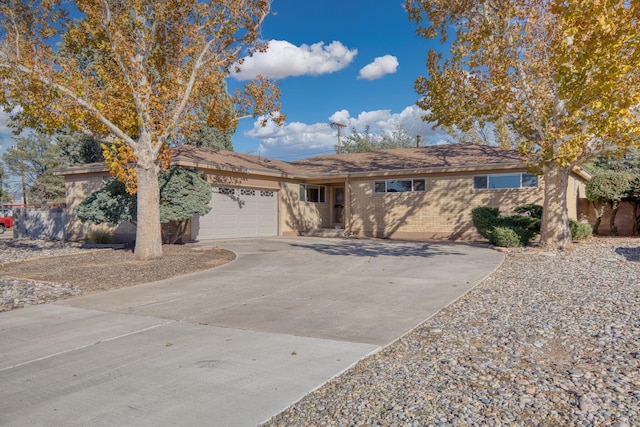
x,y
38,223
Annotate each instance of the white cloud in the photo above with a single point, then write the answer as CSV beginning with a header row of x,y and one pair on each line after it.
x,y
381,66
298,140
293,140
283,59
341,116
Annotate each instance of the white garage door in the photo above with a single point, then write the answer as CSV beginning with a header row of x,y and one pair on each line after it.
x,y
240,212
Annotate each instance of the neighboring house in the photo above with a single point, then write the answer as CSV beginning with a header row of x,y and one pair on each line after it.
x,y
411,193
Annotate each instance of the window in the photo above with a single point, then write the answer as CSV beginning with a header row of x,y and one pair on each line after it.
x,y
399,185
505,180
312,193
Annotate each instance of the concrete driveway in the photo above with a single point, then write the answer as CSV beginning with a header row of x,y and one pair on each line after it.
x,y
231,346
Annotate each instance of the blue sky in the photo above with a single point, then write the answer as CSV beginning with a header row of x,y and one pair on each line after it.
x,y
352,61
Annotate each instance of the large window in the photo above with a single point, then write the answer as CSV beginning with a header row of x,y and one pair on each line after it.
x,y
399,185
312,193
505,180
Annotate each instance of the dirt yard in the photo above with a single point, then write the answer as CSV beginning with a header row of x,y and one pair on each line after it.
x,y
105,269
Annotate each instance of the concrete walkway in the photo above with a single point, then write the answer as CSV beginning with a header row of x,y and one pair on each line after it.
x,y
231,346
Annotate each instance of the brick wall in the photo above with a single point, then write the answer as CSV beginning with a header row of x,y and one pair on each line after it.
x,y
442,211
296,216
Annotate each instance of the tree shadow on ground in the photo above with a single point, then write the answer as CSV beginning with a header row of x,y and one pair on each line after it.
x,y
376,248
631,254
34,246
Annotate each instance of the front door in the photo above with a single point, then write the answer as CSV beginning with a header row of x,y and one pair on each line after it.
x,y
338,206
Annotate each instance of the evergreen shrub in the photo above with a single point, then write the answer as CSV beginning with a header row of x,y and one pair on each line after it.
x,y
485,218
505,237
580,230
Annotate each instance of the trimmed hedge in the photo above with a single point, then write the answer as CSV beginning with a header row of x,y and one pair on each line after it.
x,y
522,227
518,230
485,218
580,230
531,209
505,237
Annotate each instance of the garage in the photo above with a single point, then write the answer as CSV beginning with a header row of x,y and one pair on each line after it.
x,y
239,212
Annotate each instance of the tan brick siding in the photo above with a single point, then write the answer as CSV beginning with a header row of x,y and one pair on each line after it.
x,y
442,211
296,216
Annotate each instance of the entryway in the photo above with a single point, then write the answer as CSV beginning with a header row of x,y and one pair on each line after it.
x,y
338,207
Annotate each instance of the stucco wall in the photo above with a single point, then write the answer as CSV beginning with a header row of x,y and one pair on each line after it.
x,y
442,211
576,192
624,218
79,187
233,179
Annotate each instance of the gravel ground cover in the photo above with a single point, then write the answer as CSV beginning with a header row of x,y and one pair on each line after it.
x,y
549,339
37,271
16,293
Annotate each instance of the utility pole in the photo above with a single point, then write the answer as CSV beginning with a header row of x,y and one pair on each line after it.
x,y
18,149
339,126
24,187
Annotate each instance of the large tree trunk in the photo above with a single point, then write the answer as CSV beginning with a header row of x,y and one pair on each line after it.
x,y
148,229
555,232
598,209
613,229
636,216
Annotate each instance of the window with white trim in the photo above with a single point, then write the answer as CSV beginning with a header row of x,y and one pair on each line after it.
x,y
505,180
312,193
400,185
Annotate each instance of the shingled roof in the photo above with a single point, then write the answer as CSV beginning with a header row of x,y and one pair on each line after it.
x,y
450,157
429,157
204,157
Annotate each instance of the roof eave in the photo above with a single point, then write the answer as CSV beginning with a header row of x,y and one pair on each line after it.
x,y
418,171
81,169
180,161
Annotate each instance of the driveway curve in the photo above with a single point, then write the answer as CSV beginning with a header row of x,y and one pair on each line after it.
x,y
368,291
231,346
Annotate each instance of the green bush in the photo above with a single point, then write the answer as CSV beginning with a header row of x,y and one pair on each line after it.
x,y
505,237
531,209
524,227
580,230
485,219
519,221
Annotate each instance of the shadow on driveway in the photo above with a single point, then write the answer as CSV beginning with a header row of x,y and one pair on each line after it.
x,y
377,248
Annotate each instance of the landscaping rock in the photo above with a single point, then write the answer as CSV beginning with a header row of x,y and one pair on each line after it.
x,y
545,340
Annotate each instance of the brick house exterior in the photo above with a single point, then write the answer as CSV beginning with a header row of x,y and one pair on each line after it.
x,y
412,193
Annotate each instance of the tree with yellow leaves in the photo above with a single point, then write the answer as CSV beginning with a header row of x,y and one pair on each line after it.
x,y
132,74
559,80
